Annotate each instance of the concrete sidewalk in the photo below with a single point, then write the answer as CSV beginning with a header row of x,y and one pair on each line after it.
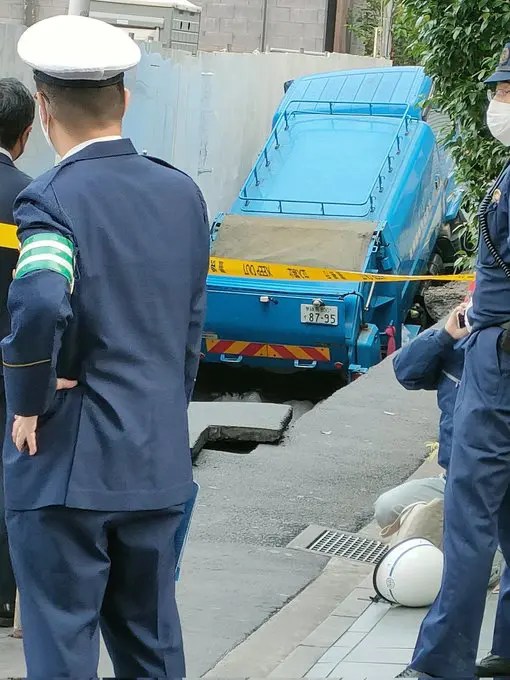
x,y
359,640
355,639
362,640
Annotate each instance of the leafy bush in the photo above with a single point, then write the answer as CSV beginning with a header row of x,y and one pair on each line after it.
x,y
459,43
365,19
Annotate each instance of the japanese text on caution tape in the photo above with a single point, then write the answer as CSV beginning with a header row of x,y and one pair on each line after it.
x,y
268,270
265,270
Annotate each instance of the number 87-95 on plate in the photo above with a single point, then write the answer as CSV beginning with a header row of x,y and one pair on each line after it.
x,y
324,316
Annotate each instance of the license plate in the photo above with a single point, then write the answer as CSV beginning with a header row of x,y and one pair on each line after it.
x,y
324,316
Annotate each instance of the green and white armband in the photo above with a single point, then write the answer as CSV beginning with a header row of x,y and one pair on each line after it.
x,y
47,251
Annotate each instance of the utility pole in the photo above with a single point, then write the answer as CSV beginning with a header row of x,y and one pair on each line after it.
x,y
79,7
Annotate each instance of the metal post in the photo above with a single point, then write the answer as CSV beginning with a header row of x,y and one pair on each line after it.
x,y
79,7
376,40
30,13
263,39
387,29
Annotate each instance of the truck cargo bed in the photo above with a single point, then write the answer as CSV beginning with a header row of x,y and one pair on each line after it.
x,y
332,244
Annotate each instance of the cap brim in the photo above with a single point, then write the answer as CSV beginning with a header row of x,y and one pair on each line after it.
x,y
498,77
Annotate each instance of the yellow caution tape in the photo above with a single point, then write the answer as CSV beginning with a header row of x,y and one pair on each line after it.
x,y
266,270
9,236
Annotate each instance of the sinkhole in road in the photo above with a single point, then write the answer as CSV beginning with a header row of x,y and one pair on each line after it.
x,y
228,446
225,383
301,390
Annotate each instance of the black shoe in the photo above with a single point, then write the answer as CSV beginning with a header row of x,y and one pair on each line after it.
x,y
411,673
492,666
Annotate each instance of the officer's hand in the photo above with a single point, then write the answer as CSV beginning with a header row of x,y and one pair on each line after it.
x,y
452,326
23,433
24,427
65,384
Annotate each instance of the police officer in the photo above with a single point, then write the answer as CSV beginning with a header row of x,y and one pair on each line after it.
x,y
17,108
477,498
108,295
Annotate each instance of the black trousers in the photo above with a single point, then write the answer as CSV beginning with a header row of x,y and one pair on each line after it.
x,y
7,583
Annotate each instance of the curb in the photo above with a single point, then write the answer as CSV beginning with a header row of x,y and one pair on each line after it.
x,y
293,640
297,621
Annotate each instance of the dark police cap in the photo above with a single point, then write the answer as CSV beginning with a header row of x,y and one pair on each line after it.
x,y
503,70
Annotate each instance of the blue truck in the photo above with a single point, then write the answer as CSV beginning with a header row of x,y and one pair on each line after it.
x,y
353,177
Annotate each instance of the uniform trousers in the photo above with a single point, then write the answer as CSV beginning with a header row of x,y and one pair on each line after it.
x,y
477,514
80,572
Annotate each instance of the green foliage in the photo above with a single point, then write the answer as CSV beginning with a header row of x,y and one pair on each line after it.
x,y
364,21
406,48
459,43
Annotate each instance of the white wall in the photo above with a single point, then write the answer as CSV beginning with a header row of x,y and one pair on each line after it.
x,y
209,115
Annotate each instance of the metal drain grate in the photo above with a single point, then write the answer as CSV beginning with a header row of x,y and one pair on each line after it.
x,y
350,546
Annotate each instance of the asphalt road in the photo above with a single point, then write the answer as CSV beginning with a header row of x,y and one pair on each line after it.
x,y
335,461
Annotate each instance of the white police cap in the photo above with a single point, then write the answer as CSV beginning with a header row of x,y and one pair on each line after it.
x,y
76,51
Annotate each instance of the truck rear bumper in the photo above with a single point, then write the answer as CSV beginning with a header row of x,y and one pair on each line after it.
x,y
273,356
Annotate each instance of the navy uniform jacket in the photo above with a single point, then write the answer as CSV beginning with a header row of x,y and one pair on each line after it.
x,y
129,332
434,361
12,181
491,298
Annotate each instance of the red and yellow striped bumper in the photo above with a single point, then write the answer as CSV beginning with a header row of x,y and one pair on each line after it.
x,y
268,351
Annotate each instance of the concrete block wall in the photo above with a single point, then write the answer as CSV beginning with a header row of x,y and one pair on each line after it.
x,y
232,24
13,11
291,24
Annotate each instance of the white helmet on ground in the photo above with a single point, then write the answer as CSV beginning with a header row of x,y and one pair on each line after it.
x,y
410,573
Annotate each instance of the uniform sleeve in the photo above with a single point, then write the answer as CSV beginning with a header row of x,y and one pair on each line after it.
x,y
38,302
198,303
418,365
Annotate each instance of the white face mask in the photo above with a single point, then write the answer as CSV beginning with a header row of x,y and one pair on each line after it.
x,y
498,121
47,136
